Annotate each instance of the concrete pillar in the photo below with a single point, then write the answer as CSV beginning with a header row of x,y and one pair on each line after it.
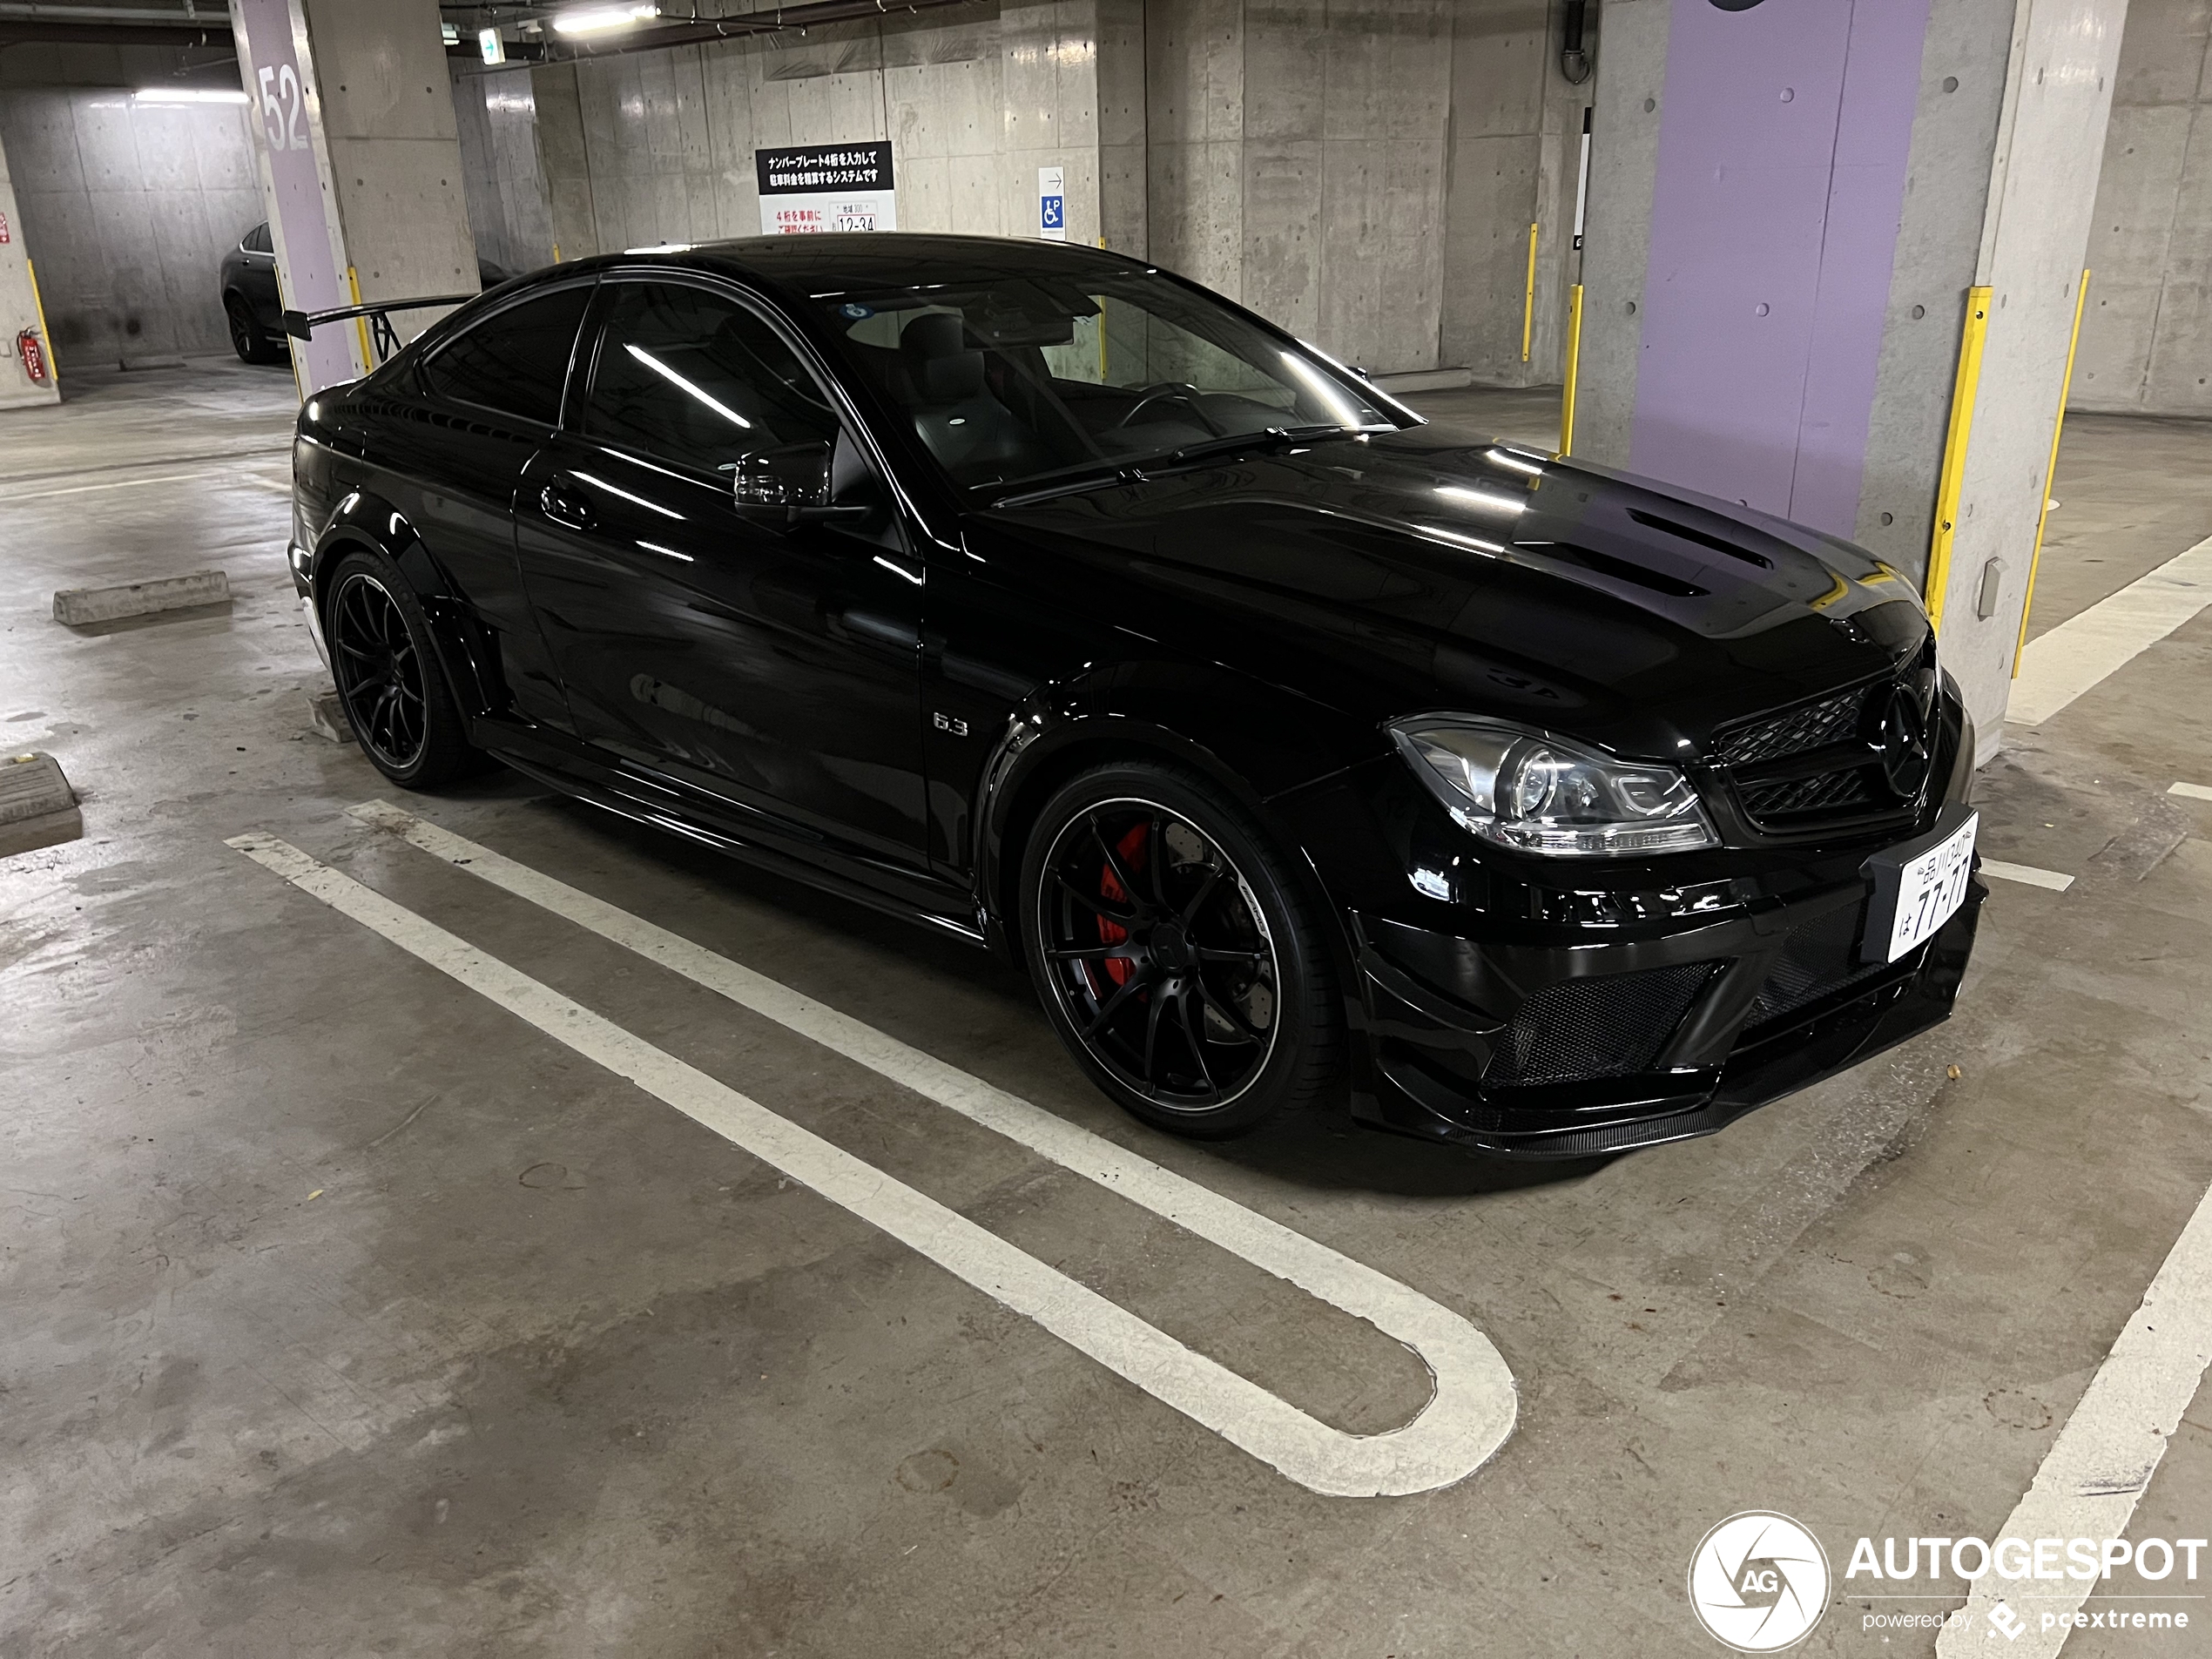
x,y
1516,130
360,163
1789,207
1297,152
2147,335
565,161
508,207
19,309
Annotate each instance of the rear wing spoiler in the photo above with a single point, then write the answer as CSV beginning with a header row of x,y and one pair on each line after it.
x,y
301,324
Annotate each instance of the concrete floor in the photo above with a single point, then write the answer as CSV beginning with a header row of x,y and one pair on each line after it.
x,y
342,1313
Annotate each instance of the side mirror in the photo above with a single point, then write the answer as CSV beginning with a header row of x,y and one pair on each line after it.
x,y
795,476
787,486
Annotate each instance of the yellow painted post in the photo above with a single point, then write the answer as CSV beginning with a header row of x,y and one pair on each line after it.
x,y
361,324
46,334
1954,449
2051,472
1574,369
1529,304
557,252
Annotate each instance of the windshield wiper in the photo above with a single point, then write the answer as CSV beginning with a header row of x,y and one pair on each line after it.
x,y
1273,438
1128,470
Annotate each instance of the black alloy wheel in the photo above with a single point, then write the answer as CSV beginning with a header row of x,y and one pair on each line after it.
x,y
388,676
1173,952
248,340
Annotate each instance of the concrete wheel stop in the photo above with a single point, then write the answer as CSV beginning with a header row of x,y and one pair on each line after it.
x,y
80,607
38,807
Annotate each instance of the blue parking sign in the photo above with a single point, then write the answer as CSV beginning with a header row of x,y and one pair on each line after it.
x,y
1052,204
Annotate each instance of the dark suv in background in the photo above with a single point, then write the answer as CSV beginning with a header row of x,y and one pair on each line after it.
x,y
254,309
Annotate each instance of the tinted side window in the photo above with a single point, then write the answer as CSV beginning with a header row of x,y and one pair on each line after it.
x,y
697,379
515,362
257,240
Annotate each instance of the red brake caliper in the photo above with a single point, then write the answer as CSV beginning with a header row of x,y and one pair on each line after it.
x,y
1131,849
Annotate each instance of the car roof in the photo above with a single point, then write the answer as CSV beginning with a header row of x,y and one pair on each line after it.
x,y
821,265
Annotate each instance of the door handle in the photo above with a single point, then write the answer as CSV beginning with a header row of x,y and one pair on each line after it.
x,y
564,509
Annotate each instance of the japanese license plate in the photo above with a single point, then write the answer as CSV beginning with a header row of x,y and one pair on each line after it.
x,y
1918,888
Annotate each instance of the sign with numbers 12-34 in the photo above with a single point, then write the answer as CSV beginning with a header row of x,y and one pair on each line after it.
x,y
808,189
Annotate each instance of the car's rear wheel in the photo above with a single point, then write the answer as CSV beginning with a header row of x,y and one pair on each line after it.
x,y
251,344
388,676
1176,952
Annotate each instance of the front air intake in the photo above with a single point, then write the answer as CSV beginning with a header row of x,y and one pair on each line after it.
x,y
1584,1028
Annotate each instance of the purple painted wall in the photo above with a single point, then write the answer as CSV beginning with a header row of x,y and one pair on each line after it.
x,y
1781,179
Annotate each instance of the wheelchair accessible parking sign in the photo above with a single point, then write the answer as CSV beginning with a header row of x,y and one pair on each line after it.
x,y
1052,204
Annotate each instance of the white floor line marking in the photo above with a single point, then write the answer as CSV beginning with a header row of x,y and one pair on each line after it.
x,y
2026,873
2194,791
1466,1420
2082,650
2095,1472
114,484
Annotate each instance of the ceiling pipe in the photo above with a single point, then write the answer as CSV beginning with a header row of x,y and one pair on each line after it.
x,y
212,15
14,33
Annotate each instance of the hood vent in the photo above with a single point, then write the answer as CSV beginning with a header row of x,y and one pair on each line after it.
x,y
1703,538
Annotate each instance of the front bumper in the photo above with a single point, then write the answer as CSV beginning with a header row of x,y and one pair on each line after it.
x,y
1553,1023
1634,1044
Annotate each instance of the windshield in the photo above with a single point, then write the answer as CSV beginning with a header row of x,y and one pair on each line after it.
x,y
1010,379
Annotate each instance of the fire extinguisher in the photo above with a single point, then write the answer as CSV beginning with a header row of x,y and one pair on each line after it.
x,y
33,355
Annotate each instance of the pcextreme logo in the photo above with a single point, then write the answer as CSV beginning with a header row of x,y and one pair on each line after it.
x,y
1759,1582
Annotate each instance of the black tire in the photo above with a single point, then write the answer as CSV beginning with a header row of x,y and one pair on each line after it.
x,y
389,679
249,339
1196,991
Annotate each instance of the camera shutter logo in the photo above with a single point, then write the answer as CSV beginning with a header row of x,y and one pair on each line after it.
x,y
1759,1582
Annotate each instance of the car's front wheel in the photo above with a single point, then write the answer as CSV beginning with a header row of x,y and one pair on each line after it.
x,y
1176,952
388,676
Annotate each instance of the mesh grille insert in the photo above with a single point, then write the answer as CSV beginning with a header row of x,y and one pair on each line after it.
x,y
1816,960
1609,1027
1833,719
1845,724
1824,793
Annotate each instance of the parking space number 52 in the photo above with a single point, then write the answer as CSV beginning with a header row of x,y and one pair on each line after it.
x,y
283,111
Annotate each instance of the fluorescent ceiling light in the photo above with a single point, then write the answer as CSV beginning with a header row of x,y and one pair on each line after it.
x,y
593,20
186,95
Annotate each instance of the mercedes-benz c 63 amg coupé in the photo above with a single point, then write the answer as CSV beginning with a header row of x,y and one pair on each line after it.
x,y
1044,596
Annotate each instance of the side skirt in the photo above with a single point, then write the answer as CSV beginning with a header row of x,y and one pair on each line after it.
x,y
940,907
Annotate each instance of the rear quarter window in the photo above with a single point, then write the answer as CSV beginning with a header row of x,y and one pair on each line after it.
x,y
515,362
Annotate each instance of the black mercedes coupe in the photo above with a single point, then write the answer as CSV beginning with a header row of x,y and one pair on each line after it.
x,y
1044,597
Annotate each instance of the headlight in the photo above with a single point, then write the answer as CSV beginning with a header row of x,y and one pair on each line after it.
x,y
1530,792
